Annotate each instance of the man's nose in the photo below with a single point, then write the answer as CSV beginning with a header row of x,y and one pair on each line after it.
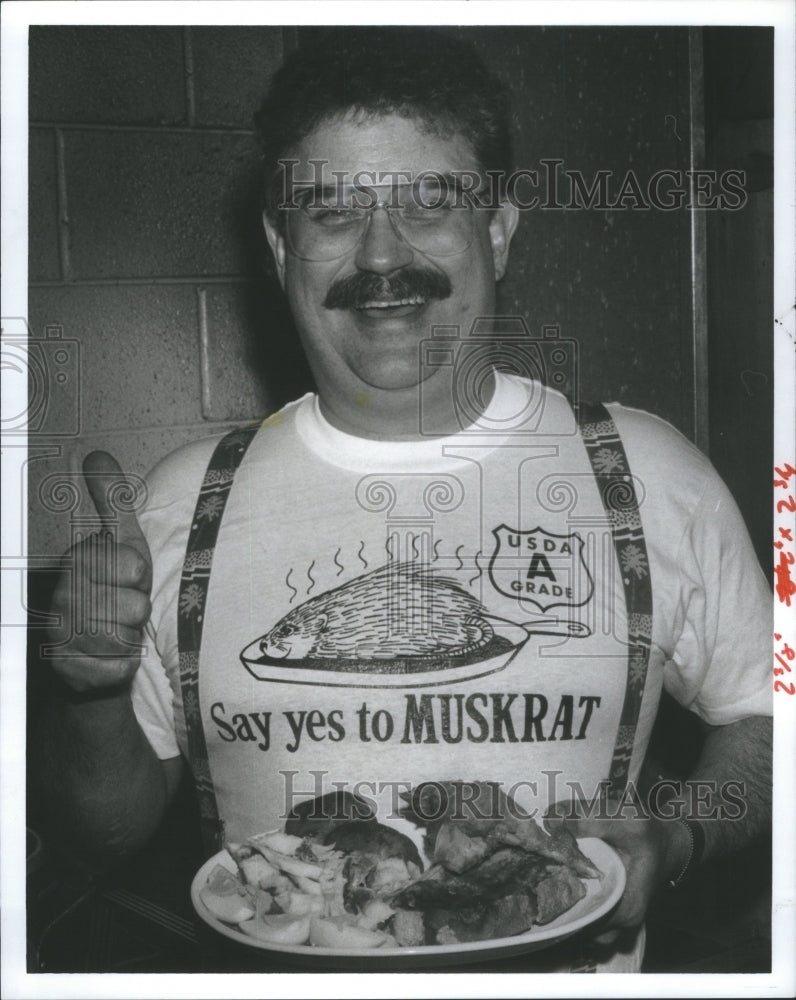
x,y
382,249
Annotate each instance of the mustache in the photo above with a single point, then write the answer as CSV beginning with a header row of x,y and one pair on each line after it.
x,y
356,290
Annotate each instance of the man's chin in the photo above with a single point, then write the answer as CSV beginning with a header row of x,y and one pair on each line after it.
x,y
389,379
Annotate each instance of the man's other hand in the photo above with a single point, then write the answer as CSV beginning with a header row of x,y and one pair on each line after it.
x,y
102,598
652,851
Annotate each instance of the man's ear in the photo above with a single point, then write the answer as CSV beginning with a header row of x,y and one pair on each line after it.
x,y
501,229
277,244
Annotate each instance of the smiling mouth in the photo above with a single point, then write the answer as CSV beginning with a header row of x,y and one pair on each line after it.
x,y
393,303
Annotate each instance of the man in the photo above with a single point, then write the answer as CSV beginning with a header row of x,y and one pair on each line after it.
x,y
383,585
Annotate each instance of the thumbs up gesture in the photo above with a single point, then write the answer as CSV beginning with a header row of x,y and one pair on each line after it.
x,y
103,602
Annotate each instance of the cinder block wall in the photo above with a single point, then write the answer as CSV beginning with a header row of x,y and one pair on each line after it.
x,y
145,245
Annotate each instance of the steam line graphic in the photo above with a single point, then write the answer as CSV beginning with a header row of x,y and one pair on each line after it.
x,y
290,585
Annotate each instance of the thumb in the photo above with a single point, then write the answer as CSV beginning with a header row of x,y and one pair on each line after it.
x,y
113,496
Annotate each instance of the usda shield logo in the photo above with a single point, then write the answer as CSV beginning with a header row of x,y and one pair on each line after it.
x,y
540,568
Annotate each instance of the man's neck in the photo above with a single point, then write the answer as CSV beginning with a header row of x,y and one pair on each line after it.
x,y
419,413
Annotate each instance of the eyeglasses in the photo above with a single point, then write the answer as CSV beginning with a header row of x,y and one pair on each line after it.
x,y
435,218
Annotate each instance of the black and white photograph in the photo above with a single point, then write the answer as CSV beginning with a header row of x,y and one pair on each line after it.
x,y
398,486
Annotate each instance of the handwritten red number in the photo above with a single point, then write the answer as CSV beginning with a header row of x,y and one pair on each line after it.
x,y
787,472
782,686
785,586
788,504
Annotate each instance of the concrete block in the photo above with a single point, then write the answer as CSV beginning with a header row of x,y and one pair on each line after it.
x,y
53,497
162,205
232,67
107,75
43,259
138,452
234,386
139,352
255,363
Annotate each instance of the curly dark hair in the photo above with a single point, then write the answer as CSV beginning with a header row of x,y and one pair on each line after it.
x,y
417,72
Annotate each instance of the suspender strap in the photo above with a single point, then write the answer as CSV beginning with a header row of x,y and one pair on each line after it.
x,y
194,584
617,492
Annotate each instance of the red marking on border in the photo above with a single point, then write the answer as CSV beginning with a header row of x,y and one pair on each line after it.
x,y
785,586
786,653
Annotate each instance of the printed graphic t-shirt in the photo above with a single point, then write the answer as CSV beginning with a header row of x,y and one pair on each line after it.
x,y
386,613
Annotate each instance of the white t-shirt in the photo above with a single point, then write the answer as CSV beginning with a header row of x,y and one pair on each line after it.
x,y
385,613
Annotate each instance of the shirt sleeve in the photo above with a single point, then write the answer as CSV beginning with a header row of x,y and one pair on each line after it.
x,y
153,703
721,665
172,488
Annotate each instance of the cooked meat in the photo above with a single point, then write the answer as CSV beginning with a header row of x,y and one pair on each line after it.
x,y
508,867
510,915
504,917
502,873
374,840
319,816
481,810
495,871
557,893
453,924
456,849
438,889
408,928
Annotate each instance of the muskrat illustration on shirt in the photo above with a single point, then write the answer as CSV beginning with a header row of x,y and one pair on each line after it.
x,y
401,618
397,610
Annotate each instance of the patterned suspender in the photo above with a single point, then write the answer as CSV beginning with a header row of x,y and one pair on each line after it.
x,y
194,584
611,471
617,492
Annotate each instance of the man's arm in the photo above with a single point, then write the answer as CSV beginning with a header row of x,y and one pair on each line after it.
x,y
740,753
99,780
655,850
101,784
718,649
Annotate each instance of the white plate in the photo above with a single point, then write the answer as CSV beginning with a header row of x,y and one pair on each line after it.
x,y
601,896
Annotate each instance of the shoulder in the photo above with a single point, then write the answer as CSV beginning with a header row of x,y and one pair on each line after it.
x,y
180,469
656,450
178,477
655,441
677,480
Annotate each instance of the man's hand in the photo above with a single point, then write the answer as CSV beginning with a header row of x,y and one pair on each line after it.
x,y
103,602
652,850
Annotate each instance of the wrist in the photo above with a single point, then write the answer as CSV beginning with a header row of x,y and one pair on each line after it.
x,y
62,691
95,718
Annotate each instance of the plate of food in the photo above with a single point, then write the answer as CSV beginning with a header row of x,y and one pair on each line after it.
x,y
438,884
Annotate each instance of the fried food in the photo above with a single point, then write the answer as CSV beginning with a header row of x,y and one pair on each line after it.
x,y
495,871
477,817
336,877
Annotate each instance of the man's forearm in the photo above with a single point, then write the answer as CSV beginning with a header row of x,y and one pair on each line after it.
x,y
100,783
739,754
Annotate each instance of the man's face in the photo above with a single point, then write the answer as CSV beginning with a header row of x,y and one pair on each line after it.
x,y
364,335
